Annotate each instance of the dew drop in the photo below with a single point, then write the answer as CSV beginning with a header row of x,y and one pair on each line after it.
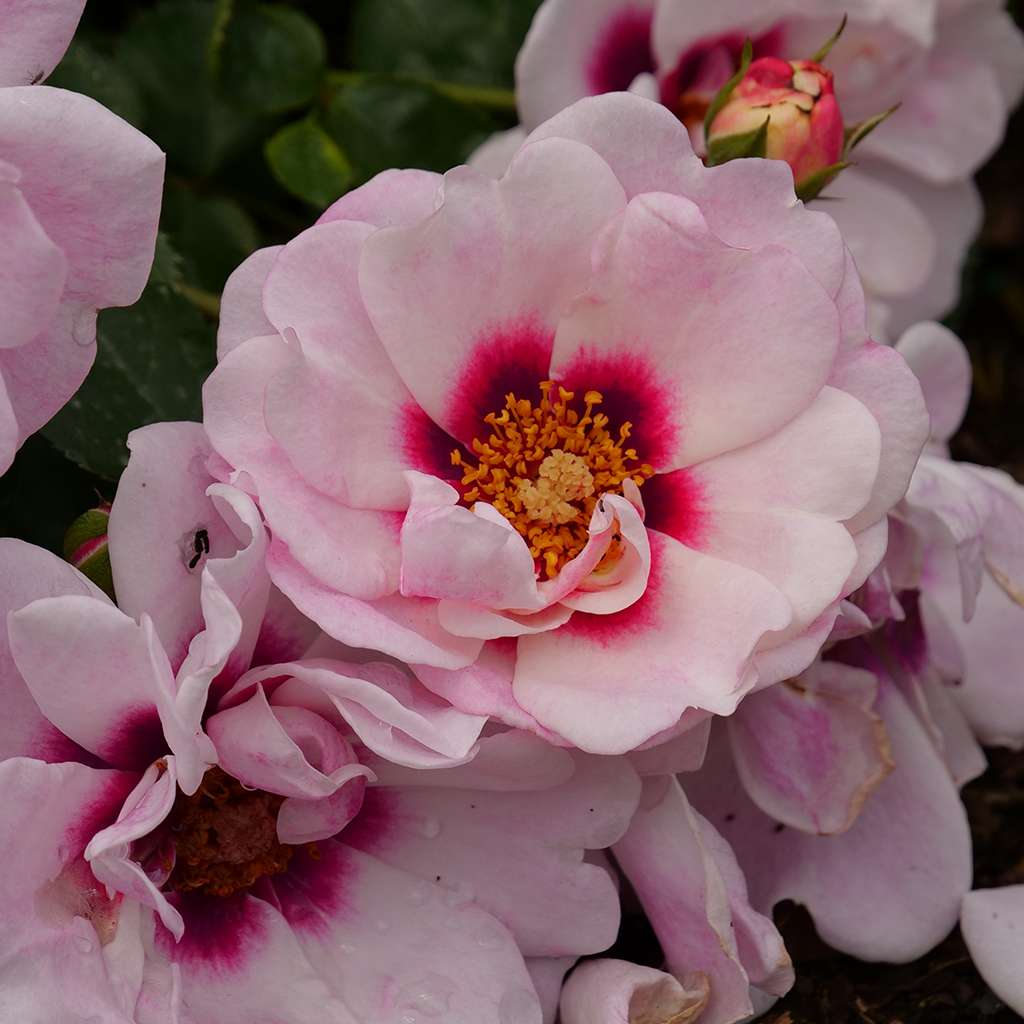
x,y
83,330
489,937
430,828
420,893
459,896
84,944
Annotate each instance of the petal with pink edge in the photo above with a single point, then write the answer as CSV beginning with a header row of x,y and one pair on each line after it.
x,y
992,922
390,943
525,243
88,667
810,751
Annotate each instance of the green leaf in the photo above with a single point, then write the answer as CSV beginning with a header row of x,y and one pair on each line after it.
x,y
385,123
309,163
169,50
826,47
743,144
856,133
151,361
723,94
213,233
86,70
471,41
810,188
272,58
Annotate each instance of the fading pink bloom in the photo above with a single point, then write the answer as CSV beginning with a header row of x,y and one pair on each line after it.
x,y
79,201
797,99
906,854
339,857
909,209
514,433
963,548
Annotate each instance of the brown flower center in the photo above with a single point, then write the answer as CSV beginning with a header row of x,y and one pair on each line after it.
x,y
225,837
544,466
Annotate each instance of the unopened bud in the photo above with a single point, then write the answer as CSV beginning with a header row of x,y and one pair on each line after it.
x,y
85,547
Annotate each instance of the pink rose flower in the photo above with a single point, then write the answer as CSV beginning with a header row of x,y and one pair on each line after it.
x,y
517,433
223,838
909,209
79,201
797,99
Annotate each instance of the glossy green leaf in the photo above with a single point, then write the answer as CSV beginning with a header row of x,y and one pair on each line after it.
x,y
309,163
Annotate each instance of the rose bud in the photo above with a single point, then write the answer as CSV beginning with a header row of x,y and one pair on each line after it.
x,y
85,547
783,110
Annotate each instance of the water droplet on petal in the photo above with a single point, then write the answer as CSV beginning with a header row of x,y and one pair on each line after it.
x,y
83,330
84,943
489,937
420,893
462,894
430,828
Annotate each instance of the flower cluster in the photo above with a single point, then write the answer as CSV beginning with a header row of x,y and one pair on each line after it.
x,y
563,521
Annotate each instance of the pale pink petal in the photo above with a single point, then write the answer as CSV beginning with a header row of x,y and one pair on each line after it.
x,y
907,856
512,760
451,552
682,753
32,267
338,413
406,628
391,198
28,573
239,961
389,711
526,242
617,992
810,751
532,876
663,285
610,682
574,50
36,34
943,368
50,814
241,302
879,378
493,156
109,852
547,975
685,897
992,922
10,436
94,185
62,979
955,213
951,118
41,376
88,667
160,506
463,619
642,142
391,944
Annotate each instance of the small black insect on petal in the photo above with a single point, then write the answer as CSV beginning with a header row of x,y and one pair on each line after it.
x,y
200,547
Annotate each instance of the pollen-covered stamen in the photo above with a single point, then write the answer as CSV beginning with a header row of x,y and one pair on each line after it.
x,y
225,837
545,465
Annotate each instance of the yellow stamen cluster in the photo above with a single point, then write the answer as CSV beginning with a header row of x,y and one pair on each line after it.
x,y
544,466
